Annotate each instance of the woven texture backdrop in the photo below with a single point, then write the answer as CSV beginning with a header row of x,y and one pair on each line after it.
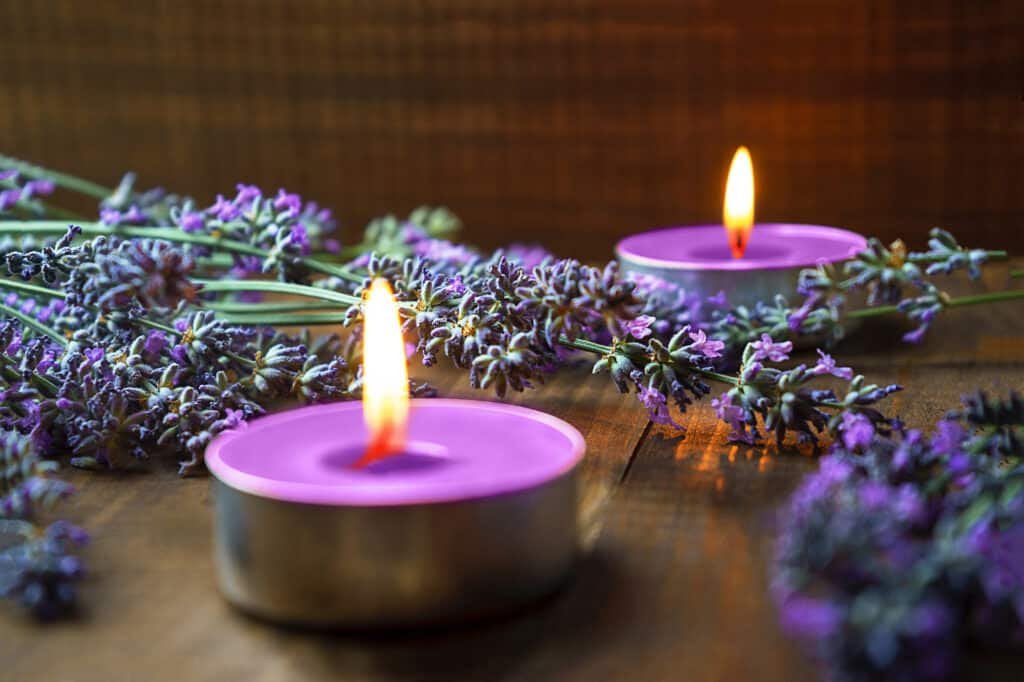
x,y
572,122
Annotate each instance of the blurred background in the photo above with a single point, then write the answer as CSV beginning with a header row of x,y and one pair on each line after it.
x,y
570,122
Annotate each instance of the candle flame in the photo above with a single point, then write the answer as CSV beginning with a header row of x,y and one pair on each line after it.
x,y
385,377
738,212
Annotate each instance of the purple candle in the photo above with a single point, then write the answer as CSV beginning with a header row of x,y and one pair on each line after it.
x,y
457,450
396,512
699,258
747,262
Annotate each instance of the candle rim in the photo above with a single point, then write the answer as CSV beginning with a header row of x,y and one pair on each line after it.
x,y
351,497
857,243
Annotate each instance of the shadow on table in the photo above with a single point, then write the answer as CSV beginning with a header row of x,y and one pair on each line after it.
x,y
537,641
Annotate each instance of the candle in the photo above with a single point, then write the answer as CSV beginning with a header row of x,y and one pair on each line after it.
x,y
747,261
393,512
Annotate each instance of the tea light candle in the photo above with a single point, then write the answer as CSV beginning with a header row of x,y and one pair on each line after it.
x,y
350,515
748,262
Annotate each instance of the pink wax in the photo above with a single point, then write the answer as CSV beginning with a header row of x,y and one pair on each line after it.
x,y
772,246
458,450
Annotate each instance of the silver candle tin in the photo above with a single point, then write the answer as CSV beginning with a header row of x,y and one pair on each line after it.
x,y
301,537
670,254
393,567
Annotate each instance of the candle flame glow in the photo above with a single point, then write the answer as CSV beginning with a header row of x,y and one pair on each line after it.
x,y
385,377
738,212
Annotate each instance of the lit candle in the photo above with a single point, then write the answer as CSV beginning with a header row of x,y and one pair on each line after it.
x,y
748,261
393,512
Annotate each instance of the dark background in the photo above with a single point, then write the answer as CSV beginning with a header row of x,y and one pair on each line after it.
x,y
572,122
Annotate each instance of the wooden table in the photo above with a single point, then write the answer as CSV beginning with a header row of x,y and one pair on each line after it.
x,y
673,586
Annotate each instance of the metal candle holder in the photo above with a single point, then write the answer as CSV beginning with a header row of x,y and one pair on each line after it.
x,y
284,554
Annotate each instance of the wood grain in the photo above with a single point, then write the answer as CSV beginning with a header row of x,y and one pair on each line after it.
x,y
572,122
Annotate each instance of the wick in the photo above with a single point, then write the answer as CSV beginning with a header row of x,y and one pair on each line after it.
x,y
737,243
383,444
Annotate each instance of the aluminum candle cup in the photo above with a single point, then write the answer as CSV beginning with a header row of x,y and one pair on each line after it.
x,y
476,517
698,258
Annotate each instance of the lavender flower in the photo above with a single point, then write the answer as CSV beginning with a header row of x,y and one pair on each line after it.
x,y
900,551
767,349
639,327
827,365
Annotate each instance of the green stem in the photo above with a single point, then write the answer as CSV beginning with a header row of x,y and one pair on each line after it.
x,y
216,285
997,254
991,297
170,234
601,349
269,307
257,319
63,179
33,323
976,299
33,289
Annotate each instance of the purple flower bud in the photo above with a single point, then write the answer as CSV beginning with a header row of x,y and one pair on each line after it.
x,y
948,437
134,216
40,186
915,336
827,365
709,348
247,194
300,238
192,222
768,349
288,203
155,342
179,354
8,198
224,210
857,431
719,299
46,362
657,406
110,216
63,404
639,328
809,618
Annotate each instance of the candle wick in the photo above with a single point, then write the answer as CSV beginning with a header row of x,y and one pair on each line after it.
x,y
737,243
383,444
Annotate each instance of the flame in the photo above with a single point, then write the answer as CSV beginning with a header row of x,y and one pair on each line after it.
x,y
385,377
738,212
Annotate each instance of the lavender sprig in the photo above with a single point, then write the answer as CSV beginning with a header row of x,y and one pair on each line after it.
x,y
900,551
36,566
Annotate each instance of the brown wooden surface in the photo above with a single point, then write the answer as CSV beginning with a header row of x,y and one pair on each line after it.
x,y
572,122
673,585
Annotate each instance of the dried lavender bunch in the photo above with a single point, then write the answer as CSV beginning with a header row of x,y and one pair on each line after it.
x,y
281,225
130,367
510,326
36,565
785,401
893,279
902,551
20,195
